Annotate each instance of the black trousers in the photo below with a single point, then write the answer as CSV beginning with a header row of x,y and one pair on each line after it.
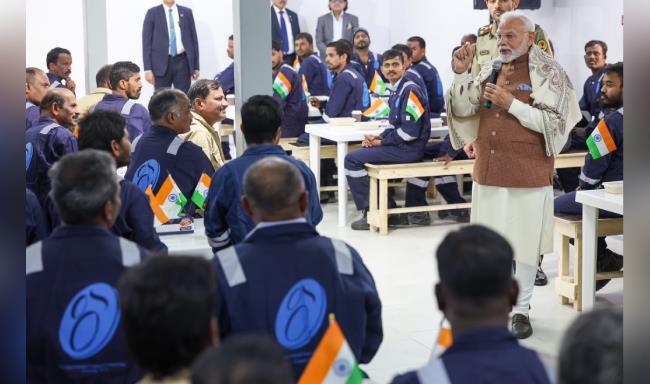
x,y
177,75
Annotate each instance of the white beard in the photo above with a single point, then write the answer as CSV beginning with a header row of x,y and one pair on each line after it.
x,y
515,54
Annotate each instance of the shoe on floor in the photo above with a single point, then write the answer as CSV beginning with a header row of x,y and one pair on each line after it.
x,y
521,327
327,197
443,214
608,262
540,277
362,223
419,218
399,220
461,215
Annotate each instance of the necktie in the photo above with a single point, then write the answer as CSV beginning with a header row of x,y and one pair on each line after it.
x,y
285,38
172,34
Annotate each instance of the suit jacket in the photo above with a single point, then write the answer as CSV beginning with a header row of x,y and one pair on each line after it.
x,y
276,30
325,30
155,39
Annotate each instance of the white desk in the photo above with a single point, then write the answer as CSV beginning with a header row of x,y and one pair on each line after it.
x,y
342,135
193,244
591,202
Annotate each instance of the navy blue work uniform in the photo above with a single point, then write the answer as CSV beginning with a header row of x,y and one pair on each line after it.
x,y
347,94
414,76
136,116
285,279
316,75
35,224
226,223
55,81
404,142
433,85
160,152
591,94
482,355
73,314
294,104
367,69
227,79
46,143
32,114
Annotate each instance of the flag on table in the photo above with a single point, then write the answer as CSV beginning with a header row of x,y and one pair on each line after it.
x,y
159,215
282,85
378,109
170,199
296,64
333,360
377,85
201,190
414,107
600,142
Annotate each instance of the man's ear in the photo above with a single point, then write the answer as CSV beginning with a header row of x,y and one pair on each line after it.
x,y
440,298
303,201
115,148
214,332
246,204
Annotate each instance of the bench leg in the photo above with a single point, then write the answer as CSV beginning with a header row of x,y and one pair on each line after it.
x,y
372,205
577,273
564,264
383,207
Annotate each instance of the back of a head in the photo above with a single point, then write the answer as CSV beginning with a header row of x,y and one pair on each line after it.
x,y
164,101
82,183
31,73
122,70
592,349
273,186
243,359
475,264
167,306
99,128
404,49
261,118
103,76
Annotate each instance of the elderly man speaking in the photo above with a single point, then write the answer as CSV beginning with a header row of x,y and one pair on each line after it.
x,y
514,118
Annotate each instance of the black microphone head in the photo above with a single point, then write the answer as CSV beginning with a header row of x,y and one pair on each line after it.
x,y
496,65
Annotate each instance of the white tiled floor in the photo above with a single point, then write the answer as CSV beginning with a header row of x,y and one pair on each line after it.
x,y
404,269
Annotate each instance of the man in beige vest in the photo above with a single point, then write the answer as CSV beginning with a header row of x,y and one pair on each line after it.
x,y
208,108
514,140
102,79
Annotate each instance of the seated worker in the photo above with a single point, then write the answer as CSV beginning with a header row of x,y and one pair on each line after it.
x,y
476,293
605,164
429,74
50,138
363,59
36,227
103,81
410,73
227,80
311,67
403,142
168,306
36,86
243,359
127,85
285,279
74,333
288,92
225,220
161,151
208,108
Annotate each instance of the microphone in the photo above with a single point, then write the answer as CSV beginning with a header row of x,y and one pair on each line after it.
x,y
496,68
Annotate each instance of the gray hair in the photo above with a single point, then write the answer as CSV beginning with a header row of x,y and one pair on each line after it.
x,y
529,26
165,101
592,350
82,183
273,185
201,89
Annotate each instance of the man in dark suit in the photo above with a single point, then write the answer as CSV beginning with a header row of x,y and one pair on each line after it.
x,y
170,47
284,28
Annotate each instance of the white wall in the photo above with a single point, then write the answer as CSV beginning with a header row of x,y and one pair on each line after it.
x,y
569,23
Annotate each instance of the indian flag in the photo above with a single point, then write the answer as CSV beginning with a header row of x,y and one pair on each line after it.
x,y
296,64
414,107
171,199
282,85
600,142
305,87
159,215
201,190
378,109
377,85
333,360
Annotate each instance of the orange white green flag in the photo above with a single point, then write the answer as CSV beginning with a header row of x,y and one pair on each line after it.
x,y
377,85
333,361
600,142
379,108
414,107
282,85
305,87
296,64
201,190
169,200
159,215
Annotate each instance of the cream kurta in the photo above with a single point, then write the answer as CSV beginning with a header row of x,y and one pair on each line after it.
x,y
524,216
207,138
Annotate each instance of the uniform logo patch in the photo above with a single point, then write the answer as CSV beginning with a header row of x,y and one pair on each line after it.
x,y
300,314
29,152
147,174
543,45
89,321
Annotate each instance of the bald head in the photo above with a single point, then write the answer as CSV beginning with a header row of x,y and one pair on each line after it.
x,y
60,104
274,189
36,84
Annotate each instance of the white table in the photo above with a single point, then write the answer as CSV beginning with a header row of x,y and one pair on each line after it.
x,y
591,202
192,244
342,135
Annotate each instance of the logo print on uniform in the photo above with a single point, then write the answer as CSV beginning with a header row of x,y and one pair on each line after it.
x,y
300,314
147,174
29,152
89,321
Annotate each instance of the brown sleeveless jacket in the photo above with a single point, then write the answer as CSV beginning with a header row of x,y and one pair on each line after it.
x,y
507,153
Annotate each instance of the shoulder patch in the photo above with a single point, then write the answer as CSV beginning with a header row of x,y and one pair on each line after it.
x,y
484,30
543,45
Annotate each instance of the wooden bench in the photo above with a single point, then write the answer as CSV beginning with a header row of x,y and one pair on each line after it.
x,y
569,286
380,175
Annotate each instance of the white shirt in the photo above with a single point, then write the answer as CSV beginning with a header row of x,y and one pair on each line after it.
x,y
337,26
289,29
177,27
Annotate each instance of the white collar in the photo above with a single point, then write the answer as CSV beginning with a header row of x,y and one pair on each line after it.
x,y
278,10
173,7
340,18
